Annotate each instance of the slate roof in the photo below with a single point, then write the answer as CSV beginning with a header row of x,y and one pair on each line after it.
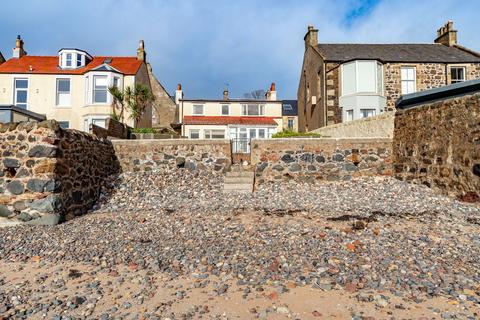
x,y
287,111
397,53
49,65
224,120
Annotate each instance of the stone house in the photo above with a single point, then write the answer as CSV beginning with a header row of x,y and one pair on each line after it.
x,y
72,86
344,82
290,115
164,108
236,119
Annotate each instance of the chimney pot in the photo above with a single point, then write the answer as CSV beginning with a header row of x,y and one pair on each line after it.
x,y
311,37
446,35
141,54
18,51
179,86
225,94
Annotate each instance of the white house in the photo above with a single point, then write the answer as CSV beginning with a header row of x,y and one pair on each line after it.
x,y
236,119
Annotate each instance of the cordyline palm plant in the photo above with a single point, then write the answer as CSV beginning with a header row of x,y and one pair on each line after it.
x,y
136,100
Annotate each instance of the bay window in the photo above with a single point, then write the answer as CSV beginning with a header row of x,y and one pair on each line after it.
x,y
100,89
367,113
21,92
362,76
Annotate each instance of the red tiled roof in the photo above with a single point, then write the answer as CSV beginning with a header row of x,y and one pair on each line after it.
x,y
49,65
224,120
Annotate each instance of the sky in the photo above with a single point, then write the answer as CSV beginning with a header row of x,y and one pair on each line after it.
x,y
208,45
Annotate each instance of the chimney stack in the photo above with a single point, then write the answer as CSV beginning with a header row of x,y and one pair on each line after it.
x,y
141,54
18,51
311,38
178,94
446,35
272,93
225,94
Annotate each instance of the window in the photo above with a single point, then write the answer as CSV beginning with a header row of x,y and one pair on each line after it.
x,y
261,133
64,124
253,110
99,122
21,93
198,109
362,77
290,123
116,82
349,115
457,74
253,133
63,92
214,134
367,112
225,110
408,75
79,60
69,60
194,134
100,89
87,91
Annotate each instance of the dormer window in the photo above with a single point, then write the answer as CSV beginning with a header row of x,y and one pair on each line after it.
x,y
73,58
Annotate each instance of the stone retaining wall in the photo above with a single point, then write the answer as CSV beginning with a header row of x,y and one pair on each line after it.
x,y
169,154
48,173
438,144
380,126
314,159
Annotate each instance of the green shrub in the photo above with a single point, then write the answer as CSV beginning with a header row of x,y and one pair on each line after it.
x,y
292,134
143,130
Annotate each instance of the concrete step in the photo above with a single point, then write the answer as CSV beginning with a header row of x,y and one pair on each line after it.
x,y
238,187
239,180
243,174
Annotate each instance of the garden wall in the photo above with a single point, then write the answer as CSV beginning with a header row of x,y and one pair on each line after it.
x,y
313,159
170,154
438,144
49,174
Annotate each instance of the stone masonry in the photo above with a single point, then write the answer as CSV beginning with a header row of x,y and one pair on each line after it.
x,y
438,145
49,174
320,159
170,154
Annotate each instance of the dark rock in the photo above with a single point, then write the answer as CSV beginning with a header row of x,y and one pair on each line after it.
x,y
53,186
46,220
191,165
11,163
15,187
261,166
311,168
287,158
295,167
476,169
43,152
338,157
4,212
350,167
24,216
278,167
320,159
307,157
36,185
48,204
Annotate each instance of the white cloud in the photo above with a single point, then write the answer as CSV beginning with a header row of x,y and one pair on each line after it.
x,y
205,44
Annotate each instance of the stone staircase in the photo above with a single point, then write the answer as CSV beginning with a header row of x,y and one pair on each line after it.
x,y
239,180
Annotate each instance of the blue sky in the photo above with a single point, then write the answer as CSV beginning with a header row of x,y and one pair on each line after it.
x,y
205,44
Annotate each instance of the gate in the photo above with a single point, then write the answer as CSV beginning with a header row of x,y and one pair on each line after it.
x,y
240,150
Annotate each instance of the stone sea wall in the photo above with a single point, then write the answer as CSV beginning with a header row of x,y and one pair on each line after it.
x,y
438,145
170,154
49,174
310,160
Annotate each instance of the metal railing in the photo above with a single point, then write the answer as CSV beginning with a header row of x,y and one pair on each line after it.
x,y
240,145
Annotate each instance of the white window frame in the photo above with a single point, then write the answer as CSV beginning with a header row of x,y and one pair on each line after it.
x,y
245,110
369,109
68,62
89,119
452,81
349,115
94,90
15,90
79,61
379,87
190,131
208,133
228,109
198,105
57,104
414,80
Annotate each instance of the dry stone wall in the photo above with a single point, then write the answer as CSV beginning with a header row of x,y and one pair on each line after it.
x,y
310,160
438,144
170,154
49,174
